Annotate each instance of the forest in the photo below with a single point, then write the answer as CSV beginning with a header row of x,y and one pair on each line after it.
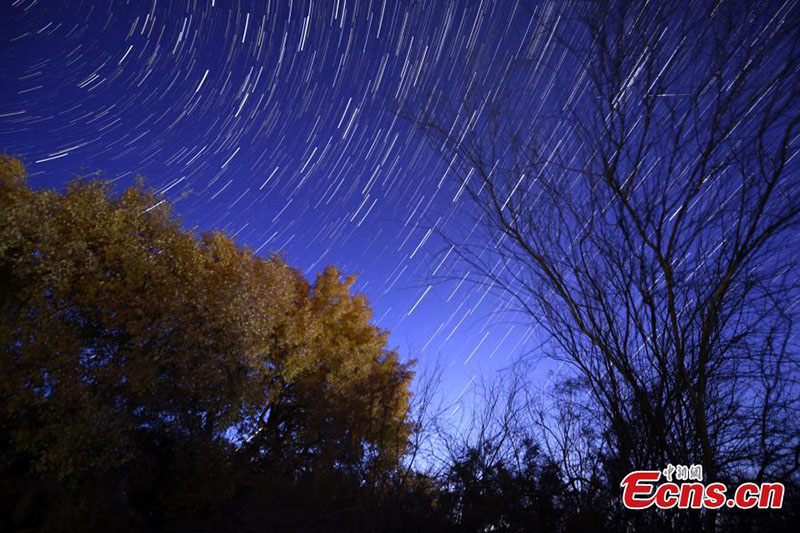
x,y
155,379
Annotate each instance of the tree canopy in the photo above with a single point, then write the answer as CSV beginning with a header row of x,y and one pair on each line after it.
x,y
147,367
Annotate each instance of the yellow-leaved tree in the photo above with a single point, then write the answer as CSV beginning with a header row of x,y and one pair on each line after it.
x,y
148,367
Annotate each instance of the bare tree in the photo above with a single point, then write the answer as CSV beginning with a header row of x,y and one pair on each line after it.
x,y
496,476
635,189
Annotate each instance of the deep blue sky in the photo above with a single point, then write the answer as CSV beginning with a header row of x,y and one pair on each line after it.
x,y
277,121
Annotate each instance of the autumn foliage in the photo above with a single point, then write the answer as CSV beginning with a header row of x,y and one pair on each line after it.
x,y
151,374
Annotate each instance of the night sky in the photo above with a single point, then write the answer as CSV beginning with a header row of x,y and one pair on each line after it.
x,y
282,123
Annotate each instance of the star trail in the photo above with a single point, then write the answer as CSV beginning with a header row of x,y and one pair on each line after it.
x,y
579,217
286,125
282,124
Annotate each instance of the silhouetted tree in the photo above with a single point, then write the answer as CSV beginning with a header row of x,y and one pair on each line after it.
x,y
641,203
